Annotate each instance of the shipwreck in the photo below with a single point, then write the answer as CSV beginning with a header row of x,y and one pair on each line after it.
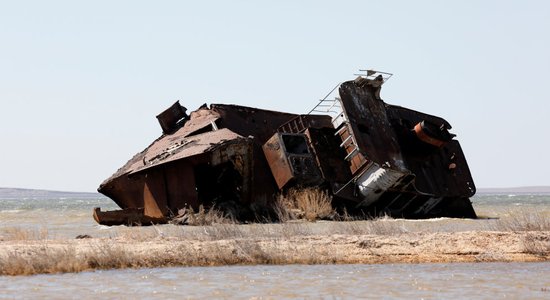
x,y
372,157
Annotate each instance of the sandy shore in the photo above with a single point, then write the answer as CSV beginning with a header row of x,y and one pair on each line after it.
x,y
52,256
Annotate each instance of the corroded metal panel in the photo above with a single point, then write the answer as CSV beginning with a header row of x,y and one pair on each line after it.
x,y
200,121
180,186
172,117
325,146
369,124
439,170
240,153
290,160
154,196
260,124
186,147
278,161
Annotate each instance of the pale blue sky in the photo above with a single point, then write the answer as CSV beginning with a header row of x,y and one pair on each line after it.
x,y
81,82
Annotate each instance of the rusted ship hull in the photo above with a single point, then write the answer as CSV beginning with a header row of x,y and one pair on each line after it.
x,y
372,157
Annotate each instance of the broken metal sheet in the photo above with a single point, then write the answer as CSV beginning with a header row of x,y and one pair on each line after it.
x,y
261,123
301,123
374,181
129,216
291,160
199,120
172,117
187,147
325,145
440,170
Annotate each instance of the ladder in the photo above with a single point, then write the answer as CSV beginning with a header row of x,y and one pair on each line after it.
x,y
348,140
296,125
331,104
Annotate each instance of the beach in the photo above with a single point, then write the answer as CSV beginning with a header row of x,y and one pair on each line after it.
x,y
266,244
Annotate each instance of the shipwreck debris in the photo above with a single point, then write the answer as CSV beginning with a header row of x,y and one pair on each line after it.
x,y
372,157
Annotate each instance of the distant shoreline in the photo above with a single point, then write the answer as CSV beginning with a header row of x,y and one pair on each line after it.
x,y
527,190
17,193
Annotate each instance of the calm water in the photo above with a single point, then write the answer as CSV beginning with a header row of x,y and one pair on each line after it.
x,y
66,218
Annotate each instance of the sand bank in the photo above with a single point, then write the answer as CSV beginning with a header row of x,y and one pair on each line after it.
x,y
52,256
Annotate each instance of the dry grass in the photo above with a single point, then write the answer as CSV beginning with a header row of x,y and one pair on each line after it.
x,y
44,260
523,221
375,241
110,254
536,244
82,255
202,217
534,223
284,231
379,226
20,234
47,259
105,255
306,203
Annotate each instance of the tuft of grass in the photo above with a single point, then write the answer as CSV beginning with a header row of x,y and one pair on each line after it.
x,y
202,217
218,232
536,245
379,226
523,221
42,261
105,255
305,203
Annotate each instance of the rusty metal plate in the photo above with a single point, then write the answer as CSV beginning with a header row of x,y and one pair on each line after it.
x,y
369,124
291,161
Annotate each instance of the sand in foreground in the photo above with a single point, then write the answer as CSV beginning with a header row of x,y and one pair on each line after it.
x,y
20,257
